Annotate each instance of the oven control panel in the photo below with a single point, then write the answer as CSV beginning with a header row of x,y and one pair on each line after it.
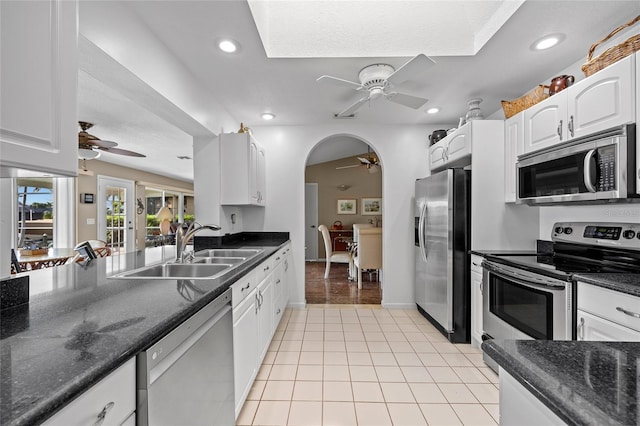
x,y
623,235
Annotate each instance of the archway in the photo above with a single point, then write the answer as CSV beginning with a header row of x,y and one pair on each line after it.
x,y
344,174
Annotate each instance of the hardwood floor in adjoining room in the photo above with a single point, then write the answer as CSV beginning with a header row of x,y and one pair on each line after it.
x,y
337,289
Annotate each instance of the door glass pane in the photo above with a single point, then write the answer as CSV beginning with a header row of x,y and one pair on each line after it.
x,y
116,218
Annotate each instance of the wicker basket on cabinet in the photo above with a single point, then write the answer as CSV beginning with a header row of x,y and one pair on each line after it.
x,y
613,54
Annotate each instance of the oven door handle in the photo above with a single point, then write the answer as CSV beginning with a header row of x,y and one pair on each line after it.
x,y
587,170
526,279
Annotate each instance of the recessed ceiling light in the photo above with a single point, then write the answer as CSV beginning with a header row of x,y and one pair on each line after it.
x,y
268,116
547,42
433,110
227,45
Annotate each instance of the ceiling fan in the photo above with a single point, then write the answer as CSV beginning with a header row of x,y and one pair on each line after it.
x,y
379,80
90,146
371,162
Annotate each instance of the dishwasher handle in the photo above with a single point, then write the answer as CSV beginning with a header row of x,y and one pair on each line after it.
x,y
162,355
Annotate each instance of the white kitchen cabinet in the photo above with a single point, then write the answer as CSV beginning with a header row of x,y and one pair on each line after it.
x,y
602,101
608,315
255,319
242,170
599,102
544,123
245,347
243,288
519,407
265,299
452,151
595,328
513,146
476,300
113,400
38,82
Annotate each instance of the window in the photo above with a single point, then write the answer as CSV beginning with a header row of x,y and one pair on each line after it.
x,y
35,209
155,199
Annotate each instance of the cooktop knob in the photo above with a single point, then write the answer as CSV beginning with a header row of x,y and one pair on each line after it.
x,y
568,230
558,229
629,234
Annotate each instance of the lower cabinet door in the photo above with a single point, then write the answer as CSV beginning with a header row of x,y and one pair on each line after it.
x,y
265,316
245,348
591,327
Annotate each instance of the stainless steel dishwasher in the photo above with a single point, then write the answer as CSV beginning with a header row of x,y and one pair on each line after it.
x,y
187,377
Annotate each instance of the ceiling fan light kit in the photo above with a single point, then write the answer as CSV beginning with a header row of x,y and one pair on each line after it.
x,y
380,80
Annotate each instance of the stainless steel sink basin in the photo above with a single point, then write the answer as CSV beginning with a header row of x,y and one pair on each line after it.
x,y
218,260
246,253
187,271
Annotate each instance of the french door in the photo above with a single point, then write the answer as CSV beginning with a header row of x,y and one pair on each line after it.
x,y
116,213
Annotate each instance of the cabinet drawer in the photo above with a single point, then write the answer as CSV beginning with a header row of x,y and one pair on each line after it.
x,y
279,256
610,305
241,288
115,394
264,269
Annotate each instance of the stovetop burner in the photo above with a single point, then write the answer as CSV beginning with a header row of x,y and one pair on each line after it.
x,y
583,248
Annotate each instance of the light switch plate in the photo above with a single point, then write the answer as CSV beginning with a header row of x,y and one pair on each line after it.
x,y
91,221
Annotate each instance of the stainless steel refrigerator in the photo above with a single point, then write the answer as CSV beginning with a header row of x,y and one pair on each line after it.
x,y
442,244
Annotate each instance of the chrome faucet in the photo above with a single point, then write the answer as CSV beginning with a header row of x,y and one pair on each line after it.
x,y
183,237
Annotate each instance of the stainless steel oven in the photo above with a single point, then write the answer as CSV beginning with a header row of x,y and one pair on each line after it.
x,y
519,304
602,167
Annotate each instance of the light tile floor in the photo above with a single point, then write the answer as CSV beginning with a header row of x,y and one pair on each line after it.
x,y
365,365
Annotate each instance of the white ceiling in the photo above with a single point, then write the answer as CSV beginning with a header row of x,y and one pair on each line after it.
x,y
249,83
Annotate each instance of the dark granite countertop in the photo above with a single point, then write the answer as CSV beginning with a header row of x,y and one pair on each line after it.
x,y
584,383
80,325
624,283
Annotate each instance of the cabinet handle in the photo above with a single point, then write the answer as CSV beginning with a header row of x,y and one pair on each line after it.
x,y
286,265
481,286
266,269
570,125
559,129
624,311
278,281
581,329
257,303
278,311
476,264
277,258
245,287
103,413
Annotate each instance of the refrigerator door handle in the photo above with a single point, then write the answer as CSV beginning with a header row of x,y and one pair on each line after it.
x,y
421,232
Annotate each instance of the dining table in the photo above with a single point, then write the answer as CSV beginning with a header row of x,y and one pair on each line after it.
x,y
53,257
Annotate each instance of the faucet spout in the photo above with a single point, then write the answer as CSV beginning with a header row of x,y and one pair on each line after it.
x,y
183,237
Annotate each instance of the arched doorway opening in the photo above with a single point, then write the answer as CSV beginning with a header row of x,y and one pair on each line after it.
x,y
343,188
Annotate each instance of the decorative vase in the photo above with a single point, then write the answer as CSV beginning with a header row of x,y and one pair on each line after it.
x,y
474,112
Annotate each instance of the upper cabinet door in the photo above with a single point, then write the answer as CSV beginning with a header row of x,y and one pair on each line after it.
x,y
604,100
545,122
459,145
38,79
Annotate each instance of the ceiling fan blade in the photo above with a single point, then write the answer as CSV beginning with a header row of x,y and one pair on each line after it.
x,y
414,102
102,144
353,108
339,82
121,152
348,167
411,70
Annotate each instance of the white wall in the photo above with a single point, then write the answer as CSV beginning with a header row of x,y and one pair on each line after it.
x,y
403,155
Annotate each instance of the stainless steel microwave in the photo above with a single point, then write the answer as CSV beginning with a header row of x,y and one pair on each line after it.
x,y
598,168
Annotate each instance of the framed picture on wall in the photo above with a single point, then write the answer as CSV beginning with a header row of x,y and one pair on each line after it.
x,y
347,206
371,206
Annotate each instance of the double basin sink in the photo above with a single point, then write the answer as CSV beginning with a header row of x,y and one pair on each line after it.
x,y
206,265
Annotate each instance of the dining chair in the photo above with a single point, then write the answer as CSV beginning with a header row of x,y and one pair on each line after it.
x,y
332,256
369,254
357,227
